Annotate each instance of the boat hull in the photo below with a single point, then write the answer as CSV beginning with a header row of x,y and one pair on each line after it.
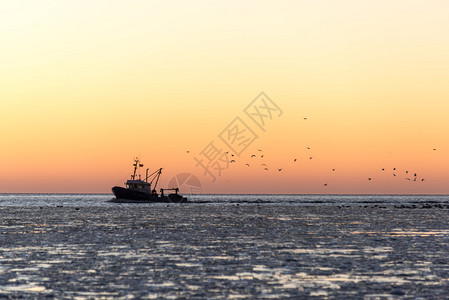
x,y
123,195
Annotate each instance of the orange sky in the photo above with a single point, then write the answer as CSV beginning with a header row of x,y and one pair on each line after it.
x,y
86,87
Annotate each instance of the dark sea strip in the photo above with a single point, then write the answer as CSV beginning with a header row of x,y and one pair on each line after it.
x,y
28,200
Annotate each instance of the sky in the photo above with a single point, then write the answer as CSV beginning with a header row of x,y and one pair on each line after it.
x,y
86,86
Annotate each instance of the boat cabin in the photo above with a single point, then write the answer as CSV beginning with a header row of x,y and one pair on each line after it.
x,y
138,185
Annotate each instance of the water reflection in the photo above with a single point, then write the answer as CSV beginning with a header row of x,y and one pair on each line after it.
x,y
246,252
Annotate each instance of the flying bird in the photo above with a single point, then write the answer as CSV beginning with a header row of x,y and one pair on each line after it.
x,y
266,169
310,157
394,168
280,169
394,174
233,161
260,150
188,151
261,156
415,175
247,165
308,148
325,184
294,160
422,179
369,178
333,169
253,156
383,169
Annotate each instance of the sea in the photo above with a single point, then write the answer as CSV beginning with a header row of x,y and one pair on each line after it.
x,y
81,246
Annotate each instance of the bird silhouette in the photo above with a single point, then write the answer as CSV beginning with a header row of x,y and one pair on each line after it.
x,y
261,156
188,151
422,179
247,165
406,172
383,169
394,169
369,178
260,150
305,118
294,160
263,164
434,149
253,156
414,179
310,157
325,184
280,169
333,170
266,169
394,174
233,161
308,148
407,179
415,175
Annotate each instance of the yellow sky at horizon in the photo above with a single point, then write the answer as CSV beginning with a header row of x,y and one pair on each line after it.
x,y
87,86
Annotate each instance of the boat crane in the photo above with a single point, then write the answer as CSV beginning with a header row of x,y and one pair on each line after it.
x,y
156,175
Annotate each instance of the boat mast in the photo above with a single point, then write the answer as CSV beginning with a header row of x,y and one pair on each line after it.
x,y
136,165
136,162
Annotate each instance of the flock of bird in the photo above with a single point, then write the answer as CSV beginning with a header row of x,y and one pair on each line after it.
x,y
395,171
261,155
412,176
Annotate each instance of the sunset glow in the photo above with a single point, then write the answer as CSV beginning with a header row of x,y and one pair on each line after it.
x,y
86,86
